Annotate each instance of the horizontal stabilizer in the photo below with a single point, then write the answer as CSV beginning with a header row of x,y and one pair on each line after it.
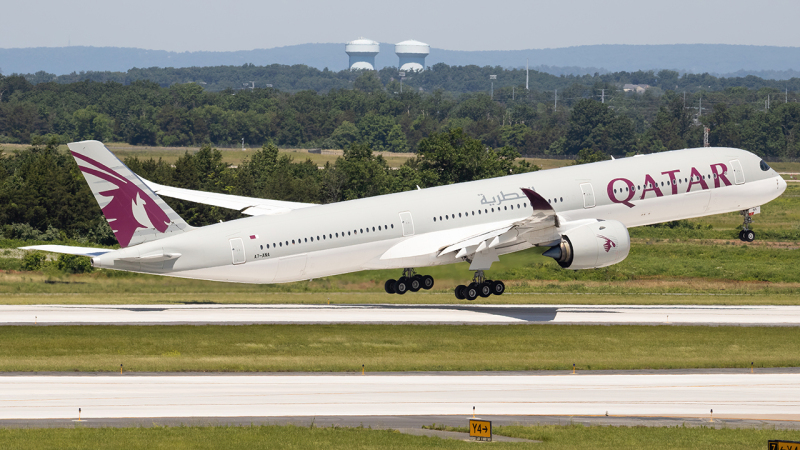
x,y
155,257
68,250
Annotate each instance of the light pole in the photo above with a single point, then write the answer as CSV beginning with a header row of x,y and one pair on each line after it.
x,y
402,75
492,78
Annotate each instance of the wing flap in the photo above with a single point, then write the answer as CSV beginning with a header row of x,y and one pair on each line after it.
x,y
246,205
540,227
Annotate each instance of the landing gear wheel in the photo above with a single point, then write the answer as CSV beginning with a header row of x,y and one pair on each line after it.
x,y
460,292
427,282
415,283
471,292
749,235
498,287
484,290
389,286
741,235
401,286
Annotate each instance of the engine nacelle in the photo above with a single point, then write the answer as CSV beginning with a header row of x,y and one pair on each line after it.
x,y
593,245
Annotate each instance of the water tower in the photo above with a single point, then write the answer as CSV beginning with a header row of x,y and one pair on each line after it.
x,y
362,53
412,54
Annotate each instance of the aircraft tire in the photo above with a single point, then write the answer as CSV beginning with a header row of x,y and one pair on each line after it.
x,y
415,283
471,292
741,235
389,286
460,292
484,290
498,287
427,282
401,286
749,236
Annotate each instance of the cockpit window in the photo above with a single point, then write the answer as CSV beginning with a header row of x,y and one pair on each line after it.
x,y
764,166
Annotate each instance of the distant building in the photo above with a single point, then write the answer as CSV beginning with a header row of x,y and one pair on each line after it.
x,y
362,53
412,55
637,88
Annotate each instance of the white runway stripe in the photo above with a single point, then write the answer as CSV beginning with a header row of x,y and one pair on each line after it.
x,y
691,395
422,314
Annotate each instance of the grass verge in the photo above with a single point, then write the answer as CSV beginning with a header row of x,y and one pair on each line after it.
x,y
344,348
293,437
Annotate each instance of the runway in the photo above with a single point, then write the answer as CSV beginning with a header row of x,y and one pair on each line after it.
x,y
771,396
398,314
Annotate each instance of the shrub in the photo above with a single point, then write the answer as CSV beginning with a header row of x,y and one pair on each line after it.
x,y
74,264
33,261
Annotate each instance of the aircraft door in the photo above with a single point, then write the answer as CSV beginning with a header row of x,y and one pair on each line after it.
x,y
738,173
407,222
237,250
588,195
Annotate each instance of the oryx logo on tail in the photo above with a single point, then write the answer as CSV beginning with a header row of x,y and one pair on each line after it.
x,y
130,207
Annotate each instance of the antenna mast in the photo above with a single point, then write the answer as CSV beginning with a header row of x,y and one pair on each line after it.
x,y
527,76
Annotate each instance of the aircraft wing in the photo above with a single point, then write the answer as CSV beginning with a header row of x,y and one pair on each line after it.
x,y
245,205
540,227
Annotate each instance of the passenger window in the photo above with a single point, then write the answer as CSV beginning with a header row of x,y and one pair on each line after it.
x,y
281,244
392,226
348,233
379,227
292,241
505,208
524,205
262,247
459,214
373,228
306,239
561,199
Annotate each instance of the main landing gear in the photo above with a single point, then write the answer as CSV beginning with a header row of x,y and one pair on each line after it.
x,y
410,281
748,235
480,286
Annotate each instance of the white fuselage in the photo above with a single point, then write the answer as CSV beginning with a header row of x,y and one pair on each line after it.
x,y
361,234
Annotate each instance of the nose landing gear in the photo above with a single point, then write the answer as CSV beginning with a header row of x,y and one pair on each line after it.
x,y
410,281
480,286
748,235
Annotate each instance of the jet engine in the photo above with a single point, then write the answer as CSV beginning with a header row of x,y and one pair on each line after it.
x,y
593,245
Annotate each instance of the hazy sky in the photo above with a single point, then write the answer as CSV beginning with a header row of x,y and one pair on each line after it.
x,y
454,25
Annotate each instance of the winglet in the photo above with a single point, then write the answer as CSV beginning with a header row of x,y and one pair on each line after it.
x,y
538,203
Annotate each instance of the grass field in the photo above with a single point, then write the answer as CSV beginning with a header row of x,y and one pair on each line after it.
x,y
758,273
294,437
235,156
381,348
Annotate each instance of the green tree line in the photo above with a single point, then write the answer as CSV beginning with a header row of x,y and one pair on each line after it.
x,y
564,121
44,197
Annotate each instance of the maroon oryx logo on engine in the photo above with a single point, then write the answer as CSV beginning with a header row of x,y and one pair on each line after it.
x,y
609,244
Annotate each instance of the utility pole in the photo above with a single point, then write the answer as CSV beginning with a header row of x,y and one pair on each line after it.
x,y
402,75
492,78
512,93
555,105
786,99
767,102
684,99
603,96
705,136
701,106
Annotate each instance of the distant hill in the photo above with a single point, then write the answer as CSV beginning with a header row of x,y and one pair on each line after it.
x,y
738,60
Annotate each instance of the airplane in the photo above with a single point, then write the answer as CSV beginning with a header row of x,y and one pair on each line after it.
x,y
580,213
